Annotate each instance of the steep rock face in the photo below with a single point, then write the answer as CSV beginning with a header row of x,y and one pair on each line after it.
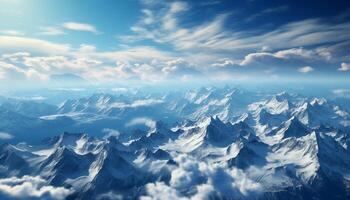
x,y
217,133
291,128
250,153
112,172
13,161
65,164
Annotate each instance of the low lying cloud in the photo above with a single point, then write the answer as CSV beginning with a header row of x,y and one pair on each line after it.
x,y
142,121
110,133
195,179
31,187
138,103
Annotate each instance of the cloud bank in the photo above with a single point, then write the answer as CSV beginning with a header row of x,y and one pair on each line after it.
x,y
29,187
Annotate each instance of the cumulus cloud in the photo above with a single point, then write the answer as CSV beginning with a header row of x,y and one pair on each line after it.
x,y
344,67
161,191
5,136
29,187
194,179
80,27
305,69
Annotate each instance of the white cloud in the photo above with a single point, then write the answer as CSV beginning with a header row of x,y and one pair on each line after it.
x,y
169,21
32,44
87,48
9,71
344,67
31,187
161,191
110,133
54,64
138,103
142,121
51,30
214,36
80,27
195,180
293,54
224,63
305,69
5,136
11,32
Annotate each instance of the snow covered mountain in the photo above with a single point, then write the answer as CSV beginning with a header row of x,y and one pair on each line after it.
x,y
214,143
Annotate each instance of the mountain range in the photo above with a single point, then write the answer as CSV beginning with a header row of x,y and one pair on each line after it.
x,y
211,143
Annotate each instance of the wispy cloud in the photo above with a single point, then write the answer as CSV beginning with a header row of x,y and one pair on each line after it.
x,y
32,44
51,30
214,36
80,27
11,32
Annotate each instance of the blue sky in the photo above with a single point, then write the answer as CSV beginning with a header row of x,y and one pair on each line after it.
x,y
156,41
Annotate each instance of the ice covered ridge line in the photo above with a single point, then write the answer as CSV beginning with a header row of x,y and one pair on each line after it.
x,y
205,159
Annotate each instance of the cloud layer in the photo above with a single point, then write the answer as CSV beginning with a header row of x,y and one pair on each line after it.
x,y
29,187
203,181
